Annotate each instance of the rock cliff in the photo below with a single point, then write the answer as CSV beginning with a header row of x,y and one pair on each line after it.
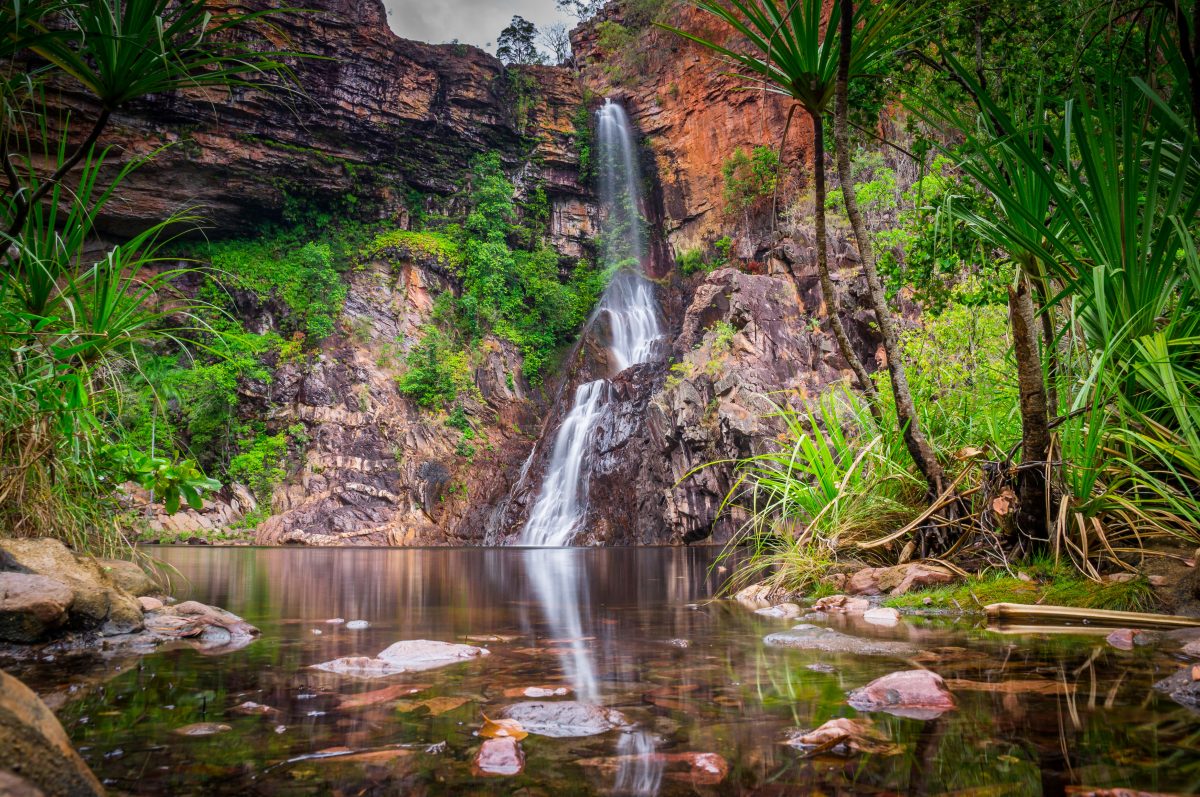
x,y
388,126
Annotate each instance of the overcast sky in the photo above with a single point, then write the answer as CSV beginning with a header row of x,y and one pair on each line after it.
x,y
475,22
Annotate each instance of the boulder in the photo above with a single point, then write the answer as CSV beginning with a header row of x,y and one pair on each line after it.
x,y
814,637
35,748
843,734
31,606
149,604
882,615
13,786
98,602
898,579
917,694
130,577
786,611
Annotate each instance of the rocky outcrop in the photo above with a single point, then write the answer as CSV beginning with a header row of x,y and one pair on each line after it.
x,y
34,748
375,468
47,587
373,125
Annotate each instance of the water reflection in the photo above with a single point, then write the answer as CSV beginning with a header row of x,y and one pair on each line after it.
x,y
1036,714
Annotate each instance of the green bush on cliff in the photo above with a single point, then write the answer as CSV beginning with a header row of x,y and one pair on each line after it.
x,y
285,266
437,374
436,246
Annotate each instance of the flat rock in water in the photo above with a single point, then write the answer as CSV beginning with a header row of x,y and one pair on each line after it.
x,y
1183,687
564,718
815,637
916,694
499,756
202,729
411,655
787,611
882,616
537,691
357,625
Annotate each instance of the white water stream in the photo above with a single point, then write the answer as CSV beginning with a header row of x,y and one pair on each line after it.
x,y
631,312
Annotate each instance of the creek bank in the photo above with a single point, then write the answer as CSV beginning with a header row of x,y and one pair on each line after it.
x,y
54,601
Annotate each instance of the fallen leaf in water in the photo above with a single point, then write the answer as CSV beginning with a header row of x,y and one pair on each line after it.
x,y
494,638
376,756
493,729
436,705
378,696
252,708
855,735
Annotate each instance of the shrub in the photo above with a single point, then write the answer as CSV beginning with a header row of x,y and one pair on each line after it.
x,y
437,375
750,177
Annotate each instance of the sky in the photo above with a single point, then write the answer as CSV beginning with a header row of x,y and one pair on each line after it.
x,y
475,22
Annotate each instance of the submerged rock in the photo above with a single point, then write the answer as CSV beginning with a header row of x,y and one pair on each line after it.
x,y
35,748
499,756
564,718
411,655
698,769
916,694
814,637
1183,687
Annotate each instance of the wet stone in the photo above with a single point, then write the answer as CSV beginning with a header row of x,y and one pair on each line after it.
x,y
411,655
916,694
500,756
564,718
827,640
1183,687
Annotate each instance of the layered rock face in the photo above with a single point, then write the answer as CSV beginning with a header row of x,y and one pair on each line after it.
x,y
370,119
391,122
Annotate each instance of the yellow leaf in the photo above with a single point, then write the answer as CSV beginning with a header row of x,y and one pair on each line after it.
x,y
494,728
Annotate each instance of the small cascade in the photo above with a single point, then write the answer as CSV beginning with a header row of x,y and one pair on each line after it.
x,y
563,500
629,309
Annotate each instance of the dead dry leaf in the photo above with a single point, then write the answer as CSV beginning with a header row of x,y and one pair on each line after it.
x,y
494,729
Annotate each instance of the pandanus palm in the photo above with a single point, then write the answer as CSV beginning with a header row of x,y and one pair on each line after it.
x,y
797,50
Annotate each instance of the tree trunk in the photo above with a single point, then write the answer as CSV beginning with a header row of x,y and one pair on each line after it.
x,y
906,412
1030,482
827,291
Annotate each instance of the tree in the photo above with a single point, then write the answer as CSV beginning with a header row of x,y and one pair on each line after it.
x,y
582,10
517,44
557,40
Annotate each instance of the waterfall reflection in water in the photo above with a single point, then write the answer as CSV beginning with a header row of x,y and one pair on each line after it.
x,y
632,630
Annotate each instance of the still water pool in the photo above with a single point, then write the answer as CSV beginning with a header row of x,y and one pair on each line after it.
x,y
633,630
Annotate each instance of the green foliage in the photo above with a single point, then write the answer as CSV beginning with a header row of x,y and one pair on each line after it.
x,y
260,465
283,266
750,177
692,261
422,246
1051,583
613,38
517,43
581,139
722,341
437,374
74,308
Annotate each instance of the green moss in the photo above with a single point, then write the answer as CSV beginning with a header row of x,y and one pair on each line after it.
x,y
1053,585
432,245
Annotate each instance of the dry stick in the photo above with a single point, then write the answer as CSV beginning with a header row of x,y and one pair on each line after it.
x,y
1018,611
906,411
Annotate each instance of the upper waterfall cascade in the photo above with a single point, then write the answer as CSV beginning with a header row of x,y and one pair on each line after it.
x,y
629,309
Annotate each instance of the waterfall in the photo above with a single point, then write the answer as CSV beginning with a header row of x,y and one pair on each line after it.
x,y
628,307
